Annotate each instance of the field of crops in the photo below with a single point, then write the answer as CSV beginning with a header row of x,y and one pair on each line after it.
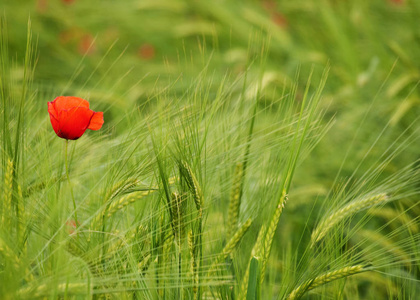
x,y
210,149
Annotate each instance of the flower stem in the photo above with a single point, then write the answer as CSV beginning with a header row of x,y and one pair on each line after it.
x,y
71,188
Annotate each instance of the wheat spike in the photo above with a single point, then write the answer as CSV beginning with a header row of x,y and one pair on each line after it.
x,y
263,244
8,191
196,192
193,185
269,236
115,206
235,200
144,263
121,186
325,278
191,244
344,212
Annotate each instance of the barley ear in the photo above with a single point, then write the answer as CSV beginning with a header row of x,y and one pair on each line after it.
x,y
196,192
192,184
235,200
178,207
262,247
347,210
120,187
269,236
144,263
191,247
7,194
308,285
124,201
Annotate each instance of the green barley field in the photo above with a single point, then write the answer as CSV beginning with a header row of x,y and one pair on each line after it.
x,y
249,150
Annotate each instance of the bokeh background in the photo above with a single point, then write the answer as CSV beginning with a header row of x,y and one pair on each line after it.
x,y
121,54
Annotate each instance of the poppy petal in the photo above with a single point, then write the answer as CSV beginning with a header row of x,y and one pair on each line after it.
x,y
53,117
55,123
68,102
74,122
96,121
52,110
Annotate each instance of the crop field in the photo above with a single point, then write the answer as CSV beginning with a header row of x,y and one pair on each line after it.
x,y
210,149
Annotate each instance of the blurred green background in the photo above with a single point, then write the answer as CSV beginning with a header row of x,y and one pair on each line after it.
x,y
120,55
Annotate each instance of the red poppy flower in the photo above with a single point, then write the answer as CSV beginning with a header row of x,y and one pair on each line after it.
x,y
71,116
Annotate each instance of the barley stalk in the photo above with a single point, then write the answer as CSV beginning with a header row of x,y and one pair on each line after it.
x,y
325,278
235,200
21,220
191,247
178,206
344,212
166,259
193,262
255,250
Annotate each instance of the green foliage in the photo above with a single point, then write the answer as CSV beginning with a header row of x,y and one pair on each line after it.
x,y
228,167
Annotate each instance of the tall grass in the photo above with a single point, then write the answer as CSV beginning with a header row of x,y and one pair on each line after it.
x,y
217,184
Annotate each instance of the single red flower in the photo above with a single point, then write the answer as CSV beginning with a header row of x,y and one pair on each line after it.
x,y
71,116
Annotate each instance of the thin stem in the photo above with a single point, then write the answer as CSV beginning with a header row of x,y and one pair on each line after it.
x,y
71,188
